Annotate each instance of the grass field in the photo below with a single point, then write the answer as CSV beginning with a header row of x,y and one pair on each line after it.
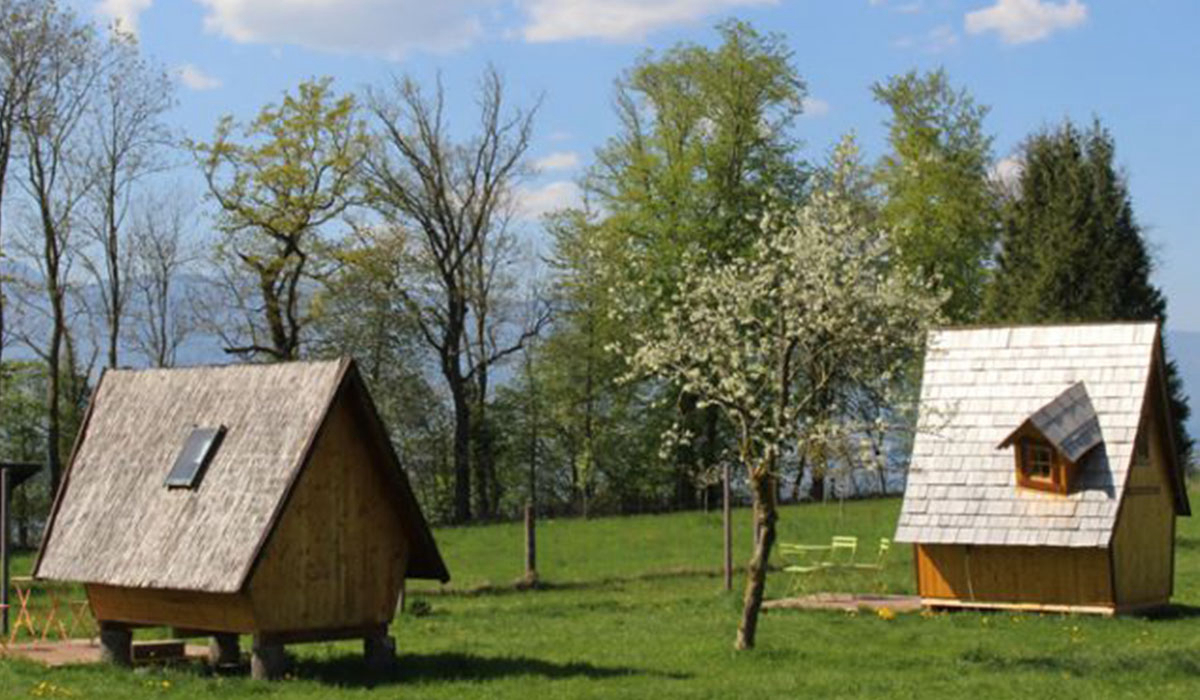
x,y
634,609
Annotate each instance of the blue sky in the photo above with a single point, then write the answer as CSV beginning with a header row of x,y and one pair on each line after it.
x,y
1136,65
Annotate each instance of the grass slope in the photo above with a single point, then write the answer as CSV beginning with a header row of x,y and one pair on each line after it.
x,y
635,609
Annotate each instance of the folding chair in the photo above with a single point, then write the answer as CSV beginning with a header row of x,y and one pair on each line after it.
x,y
842,550
24,619
804,555
885,546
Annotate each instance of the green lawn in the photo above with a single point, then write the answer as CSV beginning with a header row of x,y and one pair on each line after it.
x,y
635,609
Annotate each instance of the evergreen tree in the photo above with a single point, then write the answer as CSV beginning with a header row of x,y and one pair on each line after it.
x,y
1071,248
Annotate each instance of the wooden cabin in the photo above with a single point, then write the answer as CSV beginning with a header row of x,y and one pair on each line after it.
x,y
1044,473
264,500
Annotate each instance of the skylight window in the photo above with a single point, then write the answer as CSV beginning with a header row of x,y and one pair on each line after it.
x,y
197,452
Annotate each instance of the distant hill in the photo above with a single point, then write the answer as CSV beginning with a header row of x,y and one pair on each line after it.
x,y
1184,348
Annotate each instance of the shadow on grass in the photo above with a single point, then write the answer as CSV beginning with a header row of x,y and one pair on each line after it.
x,y
1173,611
1163,662
604,582
350,671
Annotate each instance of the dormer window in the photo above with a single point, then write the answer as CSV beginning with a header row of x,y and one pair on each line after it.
x,y
1038,466
1039,458
1049,446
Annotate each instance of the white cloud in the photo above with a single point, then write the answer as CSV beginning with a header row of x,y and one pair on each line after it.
x,y
936,40
1007,171
195,79
1021,21
534,202
616,20
908,8
389,28
124,13
814,107
559,160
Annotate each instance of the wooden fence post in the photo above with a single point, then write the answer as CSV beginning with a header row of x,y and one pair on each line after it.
x,y
531,575
727,525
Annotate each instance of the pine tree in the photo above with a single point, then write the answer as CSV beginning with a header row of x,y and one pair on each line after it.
x,y
1071,247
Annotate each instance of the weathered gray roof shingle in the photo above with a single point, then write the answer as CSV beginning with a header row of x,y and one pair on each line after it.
x,y
1069,422
979,385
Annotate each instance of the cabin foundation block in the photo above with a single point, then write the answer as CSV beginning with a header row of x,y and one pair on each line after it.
x,y
268,661
116,644
223,650
379,651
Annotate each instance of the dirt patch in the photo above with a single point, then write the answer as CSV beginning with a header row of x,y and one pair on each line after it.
x,y
847,601
54,654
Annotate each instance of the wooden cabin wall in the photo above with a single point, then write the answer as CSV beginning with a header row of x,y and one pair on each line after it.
x,y
336,558
1144,542
1037,575
214,612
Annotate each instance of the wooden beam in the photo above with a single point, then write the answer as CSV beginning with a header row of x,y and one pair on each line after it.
x,y
157,650
1106,610
321,635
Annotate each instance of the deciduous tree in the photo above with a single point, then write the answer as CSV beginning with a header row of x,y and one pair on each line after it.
x,y
705,134
453,195
939,203
292,172
817,283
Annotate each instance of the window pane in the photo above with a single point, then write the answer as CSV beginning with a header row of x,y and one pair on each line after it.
x,y
195,455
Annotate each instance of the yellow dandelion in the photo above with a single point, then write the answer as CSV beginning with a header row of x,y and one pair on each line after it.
x,y
886,613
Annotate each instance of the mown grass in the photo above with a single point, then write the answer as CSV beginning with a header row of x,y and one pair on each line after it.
x,y
635,609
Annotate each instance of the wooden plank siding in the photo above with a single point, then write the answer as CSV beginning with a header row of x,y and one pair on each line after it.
x,y
1003,574
213,612
338,554
1143,544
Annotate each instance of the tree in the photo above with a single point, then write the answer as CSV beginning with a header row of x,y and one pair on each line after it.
x,y
940,204
293,172
817,283
705,135
499,326
1072,249
24,40
49,120
127,135
160,257
22,439
596,417
453,195
361,313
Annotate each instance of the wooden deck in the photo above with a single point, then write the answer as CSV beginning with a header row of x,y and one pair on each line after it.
x,y
79,651
846,601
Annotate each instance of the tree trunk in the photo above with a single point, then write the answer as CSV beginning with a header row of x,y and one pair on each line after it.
x,y
763,489
462,452
686,457
816,491
54,382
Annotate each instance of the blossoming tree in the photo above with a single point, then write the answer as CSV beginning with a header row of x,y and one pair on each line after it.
x,y
791,340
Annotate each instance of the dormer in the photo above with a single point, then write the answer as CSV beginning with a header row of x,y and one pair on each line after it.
x,y
1049,446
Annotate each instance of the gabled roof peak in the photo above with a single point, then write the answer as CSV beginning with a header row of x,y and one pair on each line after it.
x,y
1068,422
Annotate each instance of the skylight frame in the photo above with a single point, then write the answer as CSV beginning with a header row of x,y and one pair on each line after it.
x,y
194,457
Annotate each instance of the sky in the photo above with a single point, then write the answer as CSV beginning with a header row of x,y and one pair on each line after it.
x,y
1135,65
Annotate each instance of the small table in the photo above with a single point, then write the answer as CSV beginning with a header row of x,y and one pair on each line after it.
x,y
76,611
23,587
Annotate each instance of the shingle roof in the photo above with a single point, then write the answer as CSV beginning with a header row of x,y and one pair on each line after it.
x,y
981,384
1069,422
116,523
